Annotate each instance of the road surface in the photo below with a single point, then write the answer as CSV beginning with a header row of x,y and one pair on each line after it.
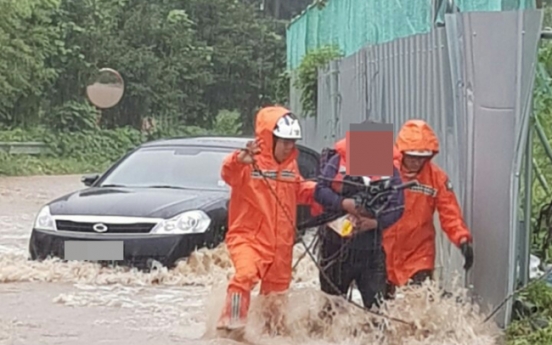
x,y
77,303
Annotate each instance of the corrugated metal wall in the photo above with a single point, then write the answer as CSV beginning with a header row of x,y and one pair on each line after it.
x,y
393,82
478,108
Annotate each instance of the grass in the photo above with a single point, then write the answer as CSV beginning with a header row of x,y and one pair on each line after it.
x,y
23,165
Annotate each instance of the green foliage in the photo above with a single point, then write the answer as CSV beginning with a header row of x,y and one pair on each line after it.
x,y
547,18
95,149
182,61
228,122
99,145
72,116
320,4
87,145
195,67
542,106
282,88
27,40
535,328
30,165
307,79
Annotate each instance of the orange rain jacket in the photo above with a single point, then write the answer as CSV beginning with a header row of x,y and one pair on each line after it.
x,y
410,243
261,237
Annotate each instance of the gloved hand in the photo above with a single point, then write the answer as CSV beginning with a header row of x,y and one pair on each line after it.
x,y
467,251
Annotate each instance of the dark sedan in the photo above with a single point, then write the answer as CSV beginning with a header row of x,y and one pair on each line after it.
x,y
159,202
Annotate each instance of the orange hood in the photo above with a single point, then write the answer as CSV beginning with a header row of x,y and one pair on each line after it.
x,y
264,126
397,155
417,135
341,148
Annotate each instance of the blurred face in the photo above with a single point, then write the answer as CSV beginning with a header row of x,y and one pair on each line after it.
x,y
413,164
283,148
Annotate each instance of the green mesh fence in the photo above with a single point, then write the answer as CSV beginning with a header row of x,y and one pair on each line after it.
x,y
353,24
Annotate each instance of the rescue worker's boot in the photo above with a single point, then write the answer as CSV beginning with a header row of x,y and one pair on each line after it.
x,y
234,313
275,312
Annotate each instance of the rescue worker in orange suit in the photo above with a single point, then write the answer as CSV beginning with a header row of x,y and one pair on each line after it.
x,y
359,258
261,234
410,243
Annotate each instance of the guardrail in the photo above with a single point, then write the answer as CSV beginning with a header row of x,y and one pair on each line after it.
x,y
24,148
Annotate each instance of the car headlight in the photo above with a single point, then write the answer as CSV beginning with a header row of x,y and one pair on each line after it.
x,y
190,222
44,220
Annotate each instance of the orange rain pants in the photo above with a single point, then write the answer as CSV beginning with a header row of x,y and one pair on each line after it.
x,y
261,234
410,243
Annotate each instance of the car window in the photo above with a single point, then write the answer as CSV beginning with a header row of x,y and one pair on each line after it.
x,y
308,163
180,167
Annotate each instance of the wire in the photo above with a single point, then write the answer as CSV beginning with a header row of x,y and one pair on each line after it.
x,y
322,269
544,215
495,310
322,272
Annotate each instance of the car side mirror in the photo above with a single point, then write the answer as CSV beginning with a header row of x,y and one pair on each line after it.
x,y
89,180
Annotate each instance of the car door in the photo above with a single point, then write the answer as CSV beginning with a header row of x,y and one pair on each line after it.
x,y
308,162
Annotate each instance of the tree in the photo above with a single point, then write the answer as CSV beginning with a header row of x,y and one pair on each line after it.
x,y
27,40
182,61
248,54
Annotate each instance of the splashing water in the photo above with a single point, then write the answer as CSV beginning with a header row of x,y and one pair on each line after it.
x,y
438,320
190,297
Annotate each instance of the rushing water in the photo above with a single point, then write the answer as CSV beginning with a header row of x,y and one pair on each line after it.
x,y
82,303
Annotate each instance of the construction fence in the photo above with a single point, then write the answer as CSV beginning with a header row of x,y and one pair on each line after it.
x,y
472,81
353,24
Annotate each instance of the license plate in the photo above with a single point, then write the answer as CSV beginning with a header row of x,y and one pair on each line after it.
x,y
94,250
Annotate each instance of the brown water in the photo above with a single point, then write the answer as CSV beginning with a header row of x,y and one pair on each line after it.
x,y
80,303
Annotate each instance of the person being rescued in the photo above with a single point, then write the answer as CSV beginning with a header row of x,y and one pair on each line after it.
x,y
410,243
358,257
262,212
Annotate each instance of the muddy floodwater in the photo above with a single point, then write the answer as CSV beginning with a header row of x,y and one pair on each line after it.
x,y
80,303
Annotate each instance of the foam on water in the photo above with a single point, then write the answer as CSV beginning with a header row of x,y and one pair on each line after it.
x,y
163,296
185,302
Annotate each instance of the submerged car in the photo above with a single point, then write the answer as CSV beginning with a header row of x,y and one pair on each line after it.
x,y
161,201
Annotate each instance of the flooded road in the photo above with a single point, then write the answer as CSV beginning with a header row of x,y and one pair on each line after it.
x,y
80,303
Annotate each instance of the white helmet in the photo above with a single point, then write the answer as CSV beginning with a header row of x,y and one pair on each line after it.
x,y
288,127
419,153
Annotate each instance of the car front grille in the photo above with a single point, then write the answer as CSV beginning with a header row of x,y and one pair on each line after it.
x,y
134,228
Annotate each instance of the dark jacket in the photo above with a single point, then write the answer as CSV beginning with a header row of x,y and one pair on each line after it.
x,y
331,201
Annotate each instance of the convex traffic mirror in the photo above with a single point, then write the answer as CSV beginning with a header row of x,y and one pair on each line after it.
x,y
106,88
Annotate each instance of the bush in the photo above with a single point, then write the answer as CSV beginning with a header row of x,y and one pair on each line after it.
x,y
535,325
228,122
307,79
93,150
72,116
11,165
69,152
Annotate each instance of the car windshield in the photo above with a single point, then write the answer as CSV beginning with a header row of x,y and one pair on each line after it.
x,y
170,167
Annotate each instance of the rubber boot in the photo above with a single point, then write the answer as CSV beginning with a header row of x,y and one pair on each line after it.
x,y
234,313
275,313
